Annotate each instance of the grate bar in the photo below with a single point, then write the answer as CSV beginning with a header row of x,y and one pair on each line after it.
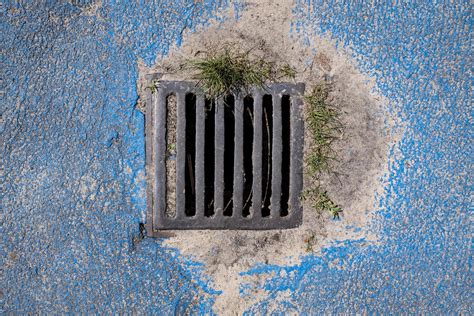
x,y
180,155
149,141
238,155
257,155
159,150
276,155
296,170
219,139
200,139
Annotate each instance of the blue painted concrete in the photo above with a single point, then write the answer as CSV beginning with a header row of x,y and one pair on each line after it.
x,y
72,179
73,151
420,55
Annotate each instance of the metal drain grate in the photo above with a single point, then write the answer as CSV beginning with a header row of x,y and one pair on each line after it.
x,y
230,163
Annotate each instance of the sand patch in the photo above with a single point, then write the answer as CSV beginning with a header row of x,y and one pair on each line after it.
x,y
264,27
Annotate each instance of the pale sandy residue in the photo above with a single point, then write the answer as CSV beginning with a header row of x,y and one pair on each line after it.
x,y
363,150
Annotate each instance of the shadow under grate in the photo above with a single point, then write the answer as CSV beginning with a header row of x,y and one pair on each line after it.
x,y
230,163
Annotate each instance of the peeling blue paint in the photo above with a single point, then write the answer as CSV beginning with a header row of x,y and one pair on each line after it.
x,y
73,157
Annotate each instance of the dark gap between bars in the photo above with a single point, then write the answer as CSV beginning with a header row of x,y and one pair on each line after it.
x,y
229,134
286,154
247,154
190,179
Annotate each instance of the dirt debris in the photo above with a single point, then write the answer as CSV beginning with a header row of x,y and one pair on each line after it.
x,y
171,118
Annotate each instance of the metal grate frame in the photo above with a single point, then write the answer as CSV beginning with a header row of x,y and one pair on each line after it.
x,y
155,139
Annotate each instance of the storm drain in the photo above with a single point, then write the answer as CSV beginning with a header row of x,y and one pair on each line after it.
x,y
230,163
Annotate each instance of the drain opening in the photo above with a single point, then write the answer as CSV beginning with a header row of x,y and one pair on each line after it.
x,y
190,183
267,139
286,154
229,132
231,163
209,134
171,118
247,152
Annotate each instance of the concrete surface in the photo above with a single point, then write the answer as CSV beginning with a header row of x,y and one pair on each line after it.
x,y
72,169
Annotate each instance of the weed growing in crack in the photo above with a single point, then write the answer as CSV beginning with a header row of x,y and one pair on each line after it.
x,y
324,126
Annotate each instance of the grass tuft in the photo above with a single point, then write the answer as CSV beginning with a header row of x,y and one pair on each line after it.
x,y
324,203
321,202
324,126
322,121
225,72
